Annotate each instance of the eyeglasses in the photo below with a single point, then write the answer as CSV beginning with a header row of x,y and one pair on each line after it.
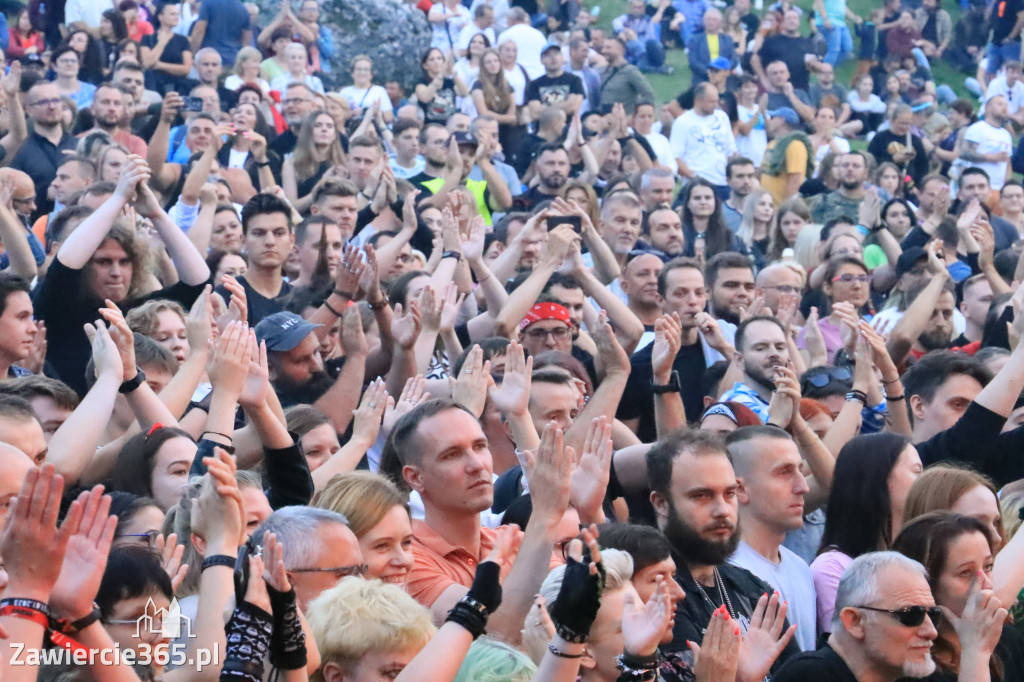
x,y
358,570
821,378
850,279
558,334
150,536
784,289
296,100
910,616
45,102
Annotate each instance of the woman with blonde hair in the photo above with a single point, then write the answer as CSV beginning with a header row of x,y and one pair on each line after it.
x,y
378,514
756,225
247,70
317,149
585,197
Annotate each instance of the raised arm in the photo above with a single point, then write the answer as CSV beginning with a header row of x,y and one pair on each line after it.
x,y
190,263
905,332
14,238
17,131
519,302
341,399
78,247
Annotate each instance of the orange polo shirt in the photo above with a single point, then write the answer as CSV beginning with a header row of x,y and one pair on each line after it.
x,y
438,564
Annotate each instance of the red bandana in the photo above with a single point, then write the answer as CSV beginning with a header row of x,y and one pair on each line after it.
x,y
544,311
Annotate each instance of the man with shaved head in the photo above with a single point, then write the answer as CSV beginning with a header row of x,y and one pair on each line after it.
x,y
23,203
771,499
778,282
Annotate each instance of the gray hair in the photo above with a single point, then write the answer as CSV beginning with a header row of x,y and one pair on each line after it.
x,y
859,584
618,568
298,528
208,50
651,173
517,15
900,110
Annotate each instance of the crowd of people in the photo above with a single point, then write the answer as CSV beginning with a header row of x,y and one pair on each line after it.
x,y
518,374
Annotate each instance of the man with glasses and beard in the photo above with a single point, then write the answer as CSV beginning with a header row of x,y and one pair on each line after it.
x,y
883,628
694,493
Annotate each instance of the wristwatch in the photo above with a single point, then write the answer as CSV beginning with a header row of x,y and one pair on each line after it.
x,y
132,384
673,385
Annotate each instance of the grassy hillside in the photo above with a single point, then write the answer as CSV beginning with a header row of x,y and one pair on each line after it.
x,y
667,87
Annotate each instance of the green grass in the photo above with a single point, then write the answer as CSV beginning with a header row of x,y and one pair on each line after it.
x,y
667,87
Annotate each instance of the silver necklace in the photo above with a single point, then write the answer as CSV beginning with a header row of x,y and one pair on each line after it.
x,y
722,593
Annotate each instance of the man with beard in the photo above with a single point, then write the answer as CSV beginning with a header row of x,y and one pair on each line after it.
x,y
867,643
298,103
682,291
552,166
927,324
730,278
771,496
741,176
434,147
297,368
665,231
761,348
988,145
108,113
308,235
844,201
656,186
694,492
639,282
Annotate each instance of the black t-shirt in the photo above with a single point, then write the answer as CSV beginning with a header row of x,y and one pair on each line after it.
x,y
174,53
420,178
638,399
791,51
439,109
917,168
529,199
1004,18
259,305
751,23
548,90
823,665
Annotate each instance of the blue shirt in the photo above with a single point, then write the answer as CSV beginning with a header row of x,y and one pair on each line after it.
x,y
746,396
226,20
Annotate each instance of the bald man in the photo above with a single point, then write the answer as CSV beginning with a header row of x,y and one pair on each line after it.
x,y
777,282
23,203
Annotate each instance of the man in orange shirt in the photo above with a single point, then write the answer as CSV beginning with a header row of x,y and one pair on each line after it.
x,y
788,161
445,458
109,105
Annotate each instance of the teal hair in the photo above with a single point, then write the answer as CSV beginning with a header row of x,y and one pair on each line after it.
x,y
490,660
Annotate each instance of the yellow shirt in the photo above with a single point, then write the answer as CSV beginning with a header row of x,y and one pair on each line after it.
x,y
796,162
713,46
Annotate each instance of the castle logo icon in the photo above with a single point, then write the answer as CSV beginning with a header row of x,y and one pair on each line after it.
x,y
163,623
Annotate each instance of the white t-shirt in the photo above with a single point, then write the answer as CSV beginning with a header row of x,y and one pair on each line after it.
x,y
446,33
753,144
282,82
517,80
529,44
991,140
1014,96
795,583
662,149
363,98
704,143
822,151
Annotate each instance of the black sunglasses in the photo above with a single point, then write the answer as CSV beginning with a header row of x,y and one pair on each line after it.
x,y
911,616
821,378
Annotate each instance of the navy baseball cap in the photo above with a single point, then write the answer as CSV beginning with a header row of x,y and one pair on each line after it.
x,y
910,256
283,331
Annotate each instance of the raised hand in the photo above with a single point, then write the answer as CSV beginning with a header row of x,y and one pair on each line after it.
x,y
589,480
31,544
406,325
512,396
765,639
351,270
170,557
668,339
366,418
353,340
413,394
550,475
369,281
538,629
122,337
716,658
218,512
507,540
713,333
85,558
451,305
134,171
238,307
613,356
643,625
228,365
814,340
257,379
273,559
106,358
980,625
470,388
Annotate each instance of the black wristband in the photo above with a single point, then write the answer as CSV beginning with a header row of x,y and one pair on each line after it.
x,y
261,164
451,254
219,560
472,618
486,588
561,654
133,383
288,645
344,294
